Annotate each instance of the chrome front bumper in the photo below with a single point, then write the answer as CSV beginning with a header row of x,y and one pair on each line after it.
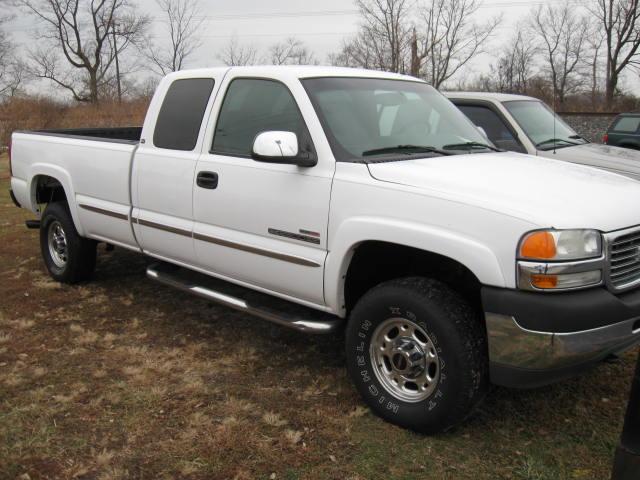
x,y
519,351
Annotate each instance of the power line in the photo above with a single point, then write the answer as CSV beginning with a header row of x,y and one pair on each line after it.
x,y
328,13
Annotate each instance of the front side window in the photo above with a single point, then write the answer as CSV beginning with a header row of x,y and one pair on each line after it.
x,y
367,118
252,106
545,129
181,114
492,124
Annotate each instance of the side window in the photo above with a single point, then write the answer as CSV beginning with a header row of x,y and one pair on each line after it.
x,y
492,124
253,106
181,114
627,125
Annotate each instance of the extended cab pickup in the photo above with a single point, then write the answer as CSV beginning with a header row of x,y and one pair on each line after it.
x,y
319,198
527,125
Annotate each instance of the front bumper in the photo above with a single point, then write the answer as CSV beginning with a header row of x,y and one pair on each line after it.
x,y
536,339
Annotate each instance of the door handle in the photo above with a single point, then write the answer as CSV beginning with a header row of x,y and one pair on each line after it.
x,y
207,180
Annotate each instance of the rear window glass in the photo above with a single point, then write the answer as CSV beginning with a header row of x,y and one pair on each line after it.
x,y
181,114
627,124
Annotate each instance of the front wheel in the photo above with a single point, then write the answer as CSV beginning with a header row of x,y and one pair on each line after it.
x,y
69,258
417,353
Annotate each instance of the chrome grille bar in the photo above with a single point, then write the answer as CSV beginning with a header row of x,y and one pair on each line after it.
x,y
623,252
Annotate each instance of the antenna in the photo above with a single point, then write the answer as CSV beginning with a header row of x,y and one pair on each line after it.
x,y
554,118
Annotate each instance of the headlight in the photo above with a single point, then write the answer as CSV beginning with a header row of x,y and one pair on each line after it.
x,y
556,260
560,245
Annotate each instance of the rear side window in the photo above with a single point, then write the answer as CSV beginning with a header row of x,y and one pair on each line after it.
x,y
626,124
252,106
181,114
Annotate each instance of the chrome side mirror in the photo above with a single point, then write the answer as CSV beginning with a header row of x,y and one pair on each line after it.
x,y
275,145
281,147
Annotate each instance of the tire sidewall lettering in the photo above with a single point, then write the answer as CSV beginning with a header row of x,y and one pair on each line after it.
x,y
363,361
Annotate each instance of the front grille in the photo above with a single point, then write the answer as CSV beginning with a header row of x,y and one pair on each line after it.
x,y
624,260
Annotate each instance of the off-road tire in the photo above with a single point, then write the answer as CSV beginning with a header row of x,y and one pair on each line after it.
x,y
456,333
80,252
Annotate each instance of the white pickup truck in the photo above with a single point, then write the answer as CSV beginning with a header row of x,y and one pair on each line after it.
x,y
321,198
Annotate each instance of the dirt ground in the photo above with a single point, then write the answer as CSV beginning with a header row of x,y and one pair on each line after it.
x,y
123,378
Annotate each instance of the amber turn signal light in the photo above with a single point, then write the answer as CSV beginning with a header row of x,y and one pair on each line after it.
x,y
538,245
544,281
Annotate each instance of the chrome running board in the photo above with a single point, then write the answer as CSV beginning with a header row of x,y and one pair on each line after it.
x,y
267,307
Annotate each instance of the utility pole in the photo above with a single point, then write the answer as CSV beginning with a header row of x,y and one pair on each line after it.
x,y
626,465
115,49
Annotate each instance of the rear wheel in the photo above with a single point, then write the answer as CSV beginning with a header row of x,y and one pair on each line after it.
x,y
69,258
417,353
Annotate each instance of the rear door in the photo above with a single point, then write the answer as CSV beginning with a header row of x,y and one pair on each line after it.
x,y
263,224
164,167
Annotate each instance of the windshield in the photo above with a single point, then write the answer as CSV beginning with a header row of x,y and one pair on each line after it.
x,y
537,121
369,119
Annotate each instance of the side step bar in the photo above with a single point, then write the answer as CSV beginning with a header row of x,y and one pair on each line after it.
x,y
265,306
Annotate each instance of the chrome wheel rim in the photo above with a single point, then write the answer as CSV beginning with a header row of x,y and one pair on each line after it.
x,y
405,360
57,244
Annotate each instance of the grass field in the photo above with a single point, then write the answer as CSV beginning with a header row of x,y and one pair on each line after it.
x,y
123,378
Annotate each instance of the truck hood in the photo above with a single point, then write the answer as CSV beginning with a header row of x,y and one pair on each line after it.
x,y
548,193
614,159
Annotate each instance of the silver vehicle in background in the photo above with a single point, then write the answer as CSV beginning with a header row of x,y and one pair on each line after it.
x,y
528,125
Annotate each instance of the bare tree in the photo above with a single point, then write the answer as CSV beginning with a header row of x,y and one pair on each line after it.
x,y
384,34
435,46
362,51
593,62
75,49
448,38
291,52
563,37
620,20
515,67
182,23
234,54
11,68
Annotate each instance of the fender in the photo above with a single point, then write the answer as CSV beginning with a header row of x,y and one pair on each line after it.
x,y
477,257
61,176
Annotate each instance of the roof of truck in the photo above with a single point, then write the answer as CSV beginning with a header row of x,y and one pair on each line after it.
x,y
495,97
305,71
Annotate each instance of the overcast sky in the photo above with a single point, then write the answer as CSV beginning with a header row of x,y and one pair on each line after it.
x,y
320,25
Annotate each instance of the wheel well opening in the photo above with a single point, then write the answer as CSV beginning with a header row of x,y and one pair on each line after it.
x,y
48,189
377,262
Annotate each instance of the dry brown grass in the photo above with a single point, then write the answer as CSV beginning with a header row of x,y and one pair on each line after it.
x,y
33,113
151,383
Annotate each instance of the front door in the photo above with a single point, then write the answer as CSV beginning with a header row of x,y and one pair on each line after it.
x,y
263,224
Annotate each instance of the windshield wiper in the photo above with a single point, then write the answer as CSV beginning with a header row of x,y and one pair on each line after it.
x,y
409,149
470,145
556,140
578,137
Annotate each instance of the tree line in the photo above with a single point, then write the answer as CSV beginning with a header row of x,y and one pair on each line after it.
x,y
96,49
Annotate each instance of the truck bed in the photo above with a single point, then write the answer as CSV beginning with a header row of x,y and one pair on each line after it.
x,y
130,135
99,162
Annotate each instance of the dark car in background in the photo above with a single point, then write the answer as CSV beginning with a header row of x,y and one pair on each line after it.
x,y
624,131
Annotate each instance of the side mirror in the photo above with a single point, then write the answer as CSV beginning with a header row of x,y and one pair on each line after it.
x,y
483,132
280,147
